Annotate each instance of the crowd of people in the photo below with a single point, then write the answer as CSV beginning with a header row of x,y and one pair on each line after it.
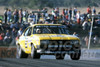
x,y
16,21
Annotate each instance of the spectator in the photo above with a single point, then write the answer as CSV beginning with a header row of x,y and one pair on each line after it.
x,y
75,11
46,15
75,34
94,10
32,18
17,25
42,18
64,22
12,25
44,11
24,16
39,15
63,12
20,16
7,38
52,22
9,16
46,22
1,38
13,36
64,17
5,15
20,32
78,17
85,25
48,19
57,11
89,10
53,12
66,14
16,16
74,14
84,16
70,14
13,33
7,34
86,39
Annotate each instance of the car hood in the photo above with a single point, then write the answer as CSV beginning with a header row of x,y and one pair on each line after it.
x,y
55,37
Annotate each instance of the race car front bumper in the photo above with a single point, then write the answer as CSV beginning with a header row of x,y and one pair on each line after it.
x,y
56,52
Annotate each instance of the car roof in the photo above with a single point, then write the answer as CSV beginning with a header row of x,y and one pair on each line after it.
x,y
44,25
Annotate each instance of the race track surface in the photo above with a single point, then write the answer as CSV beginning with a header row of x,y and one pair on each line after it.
x,y
9,62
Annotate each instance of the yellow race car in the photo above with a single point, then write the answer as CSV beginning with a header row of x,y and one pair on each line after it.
x,y
48,39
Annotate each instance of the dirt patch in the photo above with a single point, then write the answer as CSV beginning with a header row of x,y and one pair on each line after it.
x,y
82,10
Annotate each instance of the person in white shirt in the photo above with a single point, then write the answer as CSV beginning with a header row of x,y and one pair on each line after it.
x,y
20,32
78,17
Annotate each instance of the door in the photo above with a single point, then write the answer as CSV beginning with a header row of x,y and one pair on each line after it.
x,y
28,38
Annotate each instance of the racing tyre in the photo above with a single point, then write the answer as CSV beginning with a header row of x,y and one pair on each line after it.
x,y
75,56
20,53
60,56
34,54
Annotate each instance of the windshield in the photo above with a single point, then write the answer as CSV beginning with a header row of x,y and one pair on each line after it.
x,y
50,30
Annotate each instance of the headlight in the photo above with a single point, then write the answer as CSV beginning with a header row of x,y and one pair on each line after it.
x,y
44,44
75,42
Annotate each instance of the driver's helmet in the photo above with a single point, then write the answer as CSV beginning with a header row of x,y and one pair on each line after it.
x,y
38,31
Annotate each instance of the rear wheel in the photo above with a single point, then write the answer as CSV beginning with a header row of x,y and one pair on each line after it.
x,y
20,53
34,54
75,56
60,56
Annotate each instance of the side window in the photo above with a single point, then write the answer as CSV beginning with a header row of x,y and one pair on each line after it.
x,y
34,30
28,31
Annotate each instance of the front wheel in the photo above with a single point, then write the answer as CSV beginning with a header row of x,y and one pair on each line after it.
x,y
34,54
20,53
75,56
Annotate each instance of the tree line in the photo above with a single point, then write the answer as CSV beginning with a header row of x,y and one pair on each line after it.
x,y
49,3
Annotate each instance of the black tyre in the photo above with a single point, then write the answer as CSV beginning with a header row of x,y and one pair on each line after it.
x,y
60,56
34,54
75,56
20,53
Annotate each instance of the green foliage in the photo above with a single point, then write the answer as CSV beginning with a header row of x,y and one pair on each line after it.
x,y
49,3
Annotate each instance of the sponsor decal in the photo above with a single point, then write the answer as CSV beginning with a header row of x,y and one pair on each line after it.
x,y
7,53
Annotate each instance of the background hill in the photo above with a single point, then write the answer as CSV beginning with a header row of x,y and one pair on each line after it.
x,y
49,3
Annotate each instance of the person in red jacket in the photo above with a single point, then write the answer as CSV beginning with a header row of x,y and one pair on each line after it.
x,y
89,10
1,38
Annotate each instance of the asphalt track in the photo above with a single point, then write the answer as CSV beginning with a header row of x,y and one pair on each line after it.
x,y
89,58
43,62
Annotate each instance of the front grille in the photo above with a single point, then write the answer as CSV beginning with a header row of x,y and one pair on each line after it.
x,y
59,45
